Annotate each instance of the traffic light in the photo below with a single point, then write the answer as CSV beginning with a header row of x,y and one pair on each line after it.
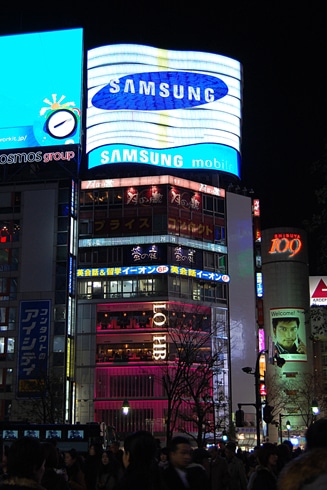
x,y
224,436
267,414
239,418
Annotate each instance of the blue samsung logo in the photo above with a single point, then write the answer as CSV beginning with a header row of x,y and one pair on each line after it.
x,y
157,91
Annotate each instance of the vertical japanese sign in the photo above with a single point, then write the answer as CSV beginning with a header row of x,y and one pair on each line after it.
x,y
34,331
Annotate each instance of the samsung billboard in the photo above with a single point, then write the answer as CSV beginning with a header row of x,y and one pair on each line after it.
x,y
170,109
40,92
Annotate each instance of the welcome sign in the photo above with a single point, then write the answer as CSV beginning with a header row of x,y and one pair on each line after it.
x,y
172,109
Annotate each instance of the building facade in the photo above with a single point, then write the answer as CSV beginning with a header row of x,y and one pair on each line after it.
x,y
113,246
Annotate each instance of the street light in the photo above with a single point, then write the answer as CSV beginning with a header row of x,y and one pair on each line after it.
x,y
288,425
315,407
280,361
125,407
257,405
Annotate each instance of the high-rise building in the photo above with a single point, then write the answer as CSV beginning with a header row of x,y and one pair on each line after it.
x,y
115,247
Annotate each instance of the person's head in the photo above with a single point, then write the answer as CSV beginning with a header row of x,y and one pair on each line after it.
x,y
179,451
114,446
201,456
285,331
230,449
92,450
163,455
26,459
70,457
51,455
316,434
106,457
140,450
267,455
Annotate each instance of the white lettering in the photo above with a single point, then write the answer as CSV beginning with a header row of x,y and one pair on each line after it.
x,y
194,93
178,91
142,156
209,95
147,88
114,84
164,90
129,155
129,86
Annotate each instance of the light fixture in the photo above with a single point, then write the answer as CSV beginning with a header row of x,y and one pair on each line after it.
x,y
288,425
224,436
125,407
314,407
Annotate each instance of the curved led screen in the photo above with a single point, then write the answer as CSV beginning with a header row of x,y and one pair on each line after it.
x,y
171,109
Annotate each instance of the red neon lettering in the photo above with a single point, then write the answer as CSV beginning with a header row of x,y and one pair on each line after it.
x,y
284,245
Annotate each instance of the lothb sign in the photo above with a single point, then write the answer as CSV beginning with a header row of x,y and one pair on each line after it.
x,y
159,340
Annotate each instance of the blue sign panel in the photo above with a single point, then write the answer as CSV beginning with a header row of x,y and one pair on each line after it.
x,y
153,269
34,333
40,89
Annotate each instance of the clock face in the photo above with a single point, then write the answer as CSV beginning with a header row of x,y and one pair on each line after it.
x,y
61,123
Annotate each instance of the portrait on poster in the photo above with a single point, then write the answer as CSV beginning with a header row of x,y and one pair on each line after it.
x,y
288,333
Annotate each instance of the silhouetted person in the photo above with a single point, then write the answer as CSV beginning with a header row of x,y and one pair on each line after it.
x,y
309,470
25,465
180,473
139,459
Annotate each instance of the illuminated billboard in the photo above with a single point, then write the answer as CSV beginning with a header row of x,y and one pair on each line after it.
x,y
40,90
170,109
288,333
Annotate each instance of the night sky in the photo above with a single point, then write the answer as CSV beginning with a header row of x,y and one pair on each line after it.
x,y
283,52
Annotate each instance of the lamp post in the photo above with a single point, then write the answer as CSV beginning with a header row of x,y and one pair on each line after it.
x,y
288,426
257,404
280,361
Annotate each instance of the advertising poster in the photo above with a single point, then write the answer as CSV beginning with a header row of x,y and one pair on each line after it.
x,y
288,333
170,109
40,90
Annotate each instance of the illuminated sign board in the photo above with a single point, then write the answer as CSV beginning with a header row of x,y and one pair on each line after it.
x,y
169,109
152,269
259,284
318,290
153,180
288,244
130,240
40,92
34,332
159,340
288,333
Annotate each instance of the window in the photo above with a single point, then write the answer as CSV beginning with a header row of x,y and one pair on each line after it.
x,y
59,344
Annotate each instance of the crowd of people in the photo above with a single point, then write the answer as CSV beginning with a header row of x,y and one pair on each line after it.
x,y
143,465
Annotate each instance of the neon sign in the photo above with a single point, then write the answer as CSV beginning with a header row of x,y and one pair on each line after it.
x,y
159,320
286,243
153,269
159,347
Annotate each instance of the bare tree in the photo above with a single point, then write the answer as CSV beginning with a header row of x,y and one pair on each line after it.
x,y
187,378
296,396
44,403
